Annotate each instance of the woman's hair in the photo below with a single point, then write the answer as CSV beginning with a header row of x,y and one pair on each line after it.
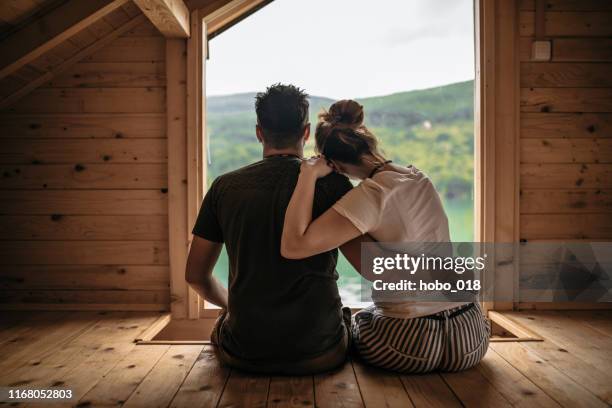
x,y
341,135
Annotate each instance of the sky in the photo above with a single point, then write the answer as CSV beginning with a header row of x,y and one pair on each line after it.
x,y
345,48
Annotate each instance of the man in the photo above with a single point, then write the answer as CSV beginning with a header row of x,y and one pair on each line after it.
x,y
279,315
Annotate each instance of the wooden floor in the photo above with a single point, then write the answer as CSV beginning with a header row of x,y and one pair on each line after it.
x,y
94,355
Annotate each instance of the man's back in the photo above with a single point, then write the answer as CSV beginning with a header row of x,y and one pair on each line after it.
x,y
279,309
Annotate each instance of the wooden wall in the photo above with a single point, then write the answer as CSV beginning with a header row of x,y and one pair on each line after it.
x,y
566,123
83,184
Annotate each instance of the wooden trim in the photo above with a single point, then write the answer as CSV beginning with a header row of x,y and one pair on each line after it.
x,y
496,161
507,152
484,121
171,17
166,328
209,311
206,6
176,66
110,307
196,133
226,15
521,332
153,329
564,306
50,30
70,62
173,342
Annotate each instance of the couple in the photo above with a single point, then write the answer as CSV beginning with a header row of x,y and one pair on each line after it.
x,y
282,220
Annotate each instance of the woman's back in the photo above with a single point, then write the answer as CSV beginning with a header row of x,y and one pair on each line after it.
x,y
397,205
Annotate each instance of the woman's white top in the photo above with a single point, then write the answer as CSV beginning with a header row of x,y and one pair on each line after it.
x,y
399,207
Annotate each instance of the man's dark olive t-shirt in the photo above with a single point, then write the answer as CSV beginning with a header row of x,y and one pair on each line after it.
x,y
279,309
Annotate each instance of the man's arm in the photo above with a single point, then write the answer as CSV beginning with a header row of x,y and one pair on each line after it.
x,y
202,258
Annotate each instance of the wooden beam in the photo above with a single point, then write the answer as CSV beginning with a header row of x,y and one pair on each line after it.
x,y
506,156
47,76
171,17
50,30
196,132
224,16
206,6
484,129
496,161
176,67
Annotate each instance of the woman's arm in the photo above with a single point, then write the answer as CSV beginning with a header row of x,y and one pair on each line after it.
x,y
303,237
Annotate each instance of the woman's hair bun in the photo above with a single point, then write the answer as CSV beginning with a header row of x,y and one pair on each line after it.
x,y
346,112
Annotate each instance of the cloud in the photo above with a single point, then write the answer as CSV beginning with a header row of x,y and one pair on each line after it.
x,y
437,19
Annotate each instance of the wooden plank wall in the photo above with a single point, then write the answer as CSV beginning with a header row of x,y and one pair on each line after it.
x,y
566,123
83,184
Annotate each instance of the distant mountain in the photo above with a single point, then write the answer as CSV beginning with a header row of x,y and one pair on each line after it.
x,y
245,102
444,103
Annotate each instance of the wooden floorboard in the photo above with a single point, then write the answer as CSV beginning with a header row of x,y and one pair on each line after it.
x,y
380,388
568,356
516,388
429,390
338,388
245,390
118,344
94,355
205,382
287,392
41,339
546,376
15,324
162,383
62,358
598,320
117,386
474,390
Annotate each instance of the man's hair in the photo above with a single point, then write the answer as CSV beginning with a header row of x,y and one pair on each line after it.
x,y
282,113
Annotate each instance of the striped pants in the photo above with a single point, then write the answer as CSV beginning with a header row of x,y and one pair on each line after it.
x,y
452,340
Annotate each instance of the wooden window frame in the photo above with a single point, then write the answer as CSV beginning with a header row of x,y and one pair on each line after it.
x,y
496,148
186,132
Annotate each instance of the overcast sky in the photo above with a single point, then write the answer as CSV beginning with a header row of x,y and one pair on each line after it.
x,y
346,48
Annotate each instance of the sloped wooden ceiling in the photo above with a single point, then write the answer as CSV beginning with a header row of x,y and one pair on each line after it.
x,y
17,13
40,39
52,43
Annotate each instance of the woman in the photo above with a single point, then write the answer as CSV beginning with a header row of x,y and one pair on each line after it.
x,y
392,203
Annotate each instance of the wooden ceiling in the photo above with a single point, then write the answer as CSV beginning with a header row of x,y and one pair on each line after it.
x,y
17,13
41,38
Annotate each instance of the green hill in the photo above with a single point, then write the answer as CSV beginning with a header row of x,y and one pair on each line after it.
x,y
430,128
442,104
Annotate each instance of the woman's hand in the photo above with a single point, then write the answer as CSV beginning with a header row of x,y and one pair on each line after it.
x,y
316,167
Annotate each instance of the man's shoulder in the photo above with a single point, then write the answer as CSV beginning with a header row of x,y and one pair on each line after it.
x,y
331,188
258,173
335,180
237,173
